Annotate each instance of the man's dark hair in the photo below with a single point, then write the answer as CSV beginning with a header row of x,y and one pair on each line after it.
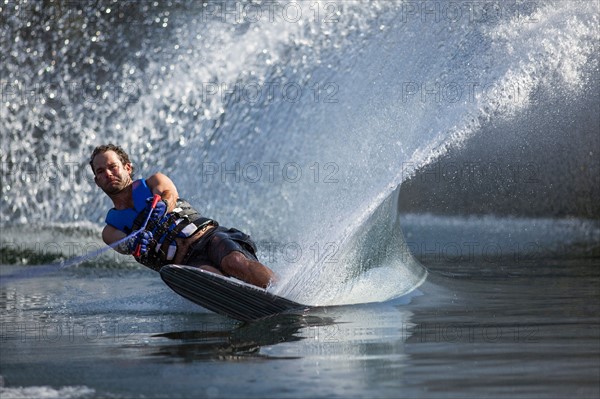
x,y
111,147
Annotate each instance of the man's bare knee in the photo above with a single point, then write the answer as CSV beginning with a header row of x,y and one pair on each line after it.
x,y
238,265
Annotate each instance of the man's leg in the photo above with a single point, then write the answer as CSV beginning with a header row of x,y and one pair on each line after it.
x,y
239,266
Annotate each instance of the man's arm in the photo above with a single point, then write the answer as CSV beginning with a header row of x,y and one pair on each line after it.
x,y
111,235
139,242
160,184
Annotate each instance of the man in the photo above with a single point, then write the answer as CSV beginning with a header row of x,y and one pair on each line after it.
x,y
175,233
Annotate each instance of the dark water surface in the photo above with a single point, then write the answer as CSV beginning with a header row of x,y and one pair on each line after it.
x,y
483,329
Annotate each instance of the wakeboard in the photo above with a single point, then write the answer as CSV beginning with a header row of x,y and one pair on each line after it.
x,y
224,295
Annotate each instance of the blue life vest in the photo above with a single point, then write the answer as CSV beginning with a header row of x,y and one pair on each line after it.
x,y
183,221
123,219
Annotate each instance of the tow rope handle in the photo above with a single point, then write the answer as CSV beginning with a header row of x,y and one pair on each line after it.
x,y
138,250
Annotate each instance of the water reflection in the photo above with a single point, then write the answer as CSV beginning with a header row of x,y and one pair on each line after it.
x,y
221,341
361,334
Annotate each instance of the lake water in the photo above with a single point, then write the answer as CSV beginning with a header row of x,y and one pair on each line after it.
x,y
502,327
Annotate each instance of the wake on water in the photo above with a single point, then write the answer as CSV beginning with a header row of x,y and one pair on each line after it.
x,y
298,129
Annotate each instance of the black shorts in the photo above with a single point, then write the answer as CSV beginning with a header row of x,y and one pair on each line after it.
x,y
217,244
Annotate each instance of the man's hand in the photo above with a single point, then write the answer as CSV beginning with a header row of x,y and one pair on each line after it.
x,y
159,210
141,239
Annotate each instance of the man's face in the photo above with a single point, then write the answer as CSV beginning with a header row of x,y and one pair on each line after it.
x,y
110,173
